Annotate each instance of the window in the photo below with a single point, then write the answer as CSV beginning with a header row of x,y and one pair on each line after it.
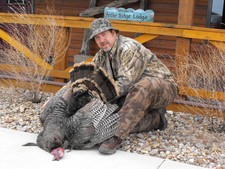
x,y
217,7
217,14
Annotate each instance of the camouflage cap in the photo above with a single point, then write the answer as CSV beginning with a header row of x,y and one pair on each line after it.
x,y
100,25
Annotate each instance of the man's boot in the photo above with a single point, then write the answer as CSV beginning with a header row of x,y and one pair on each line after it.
x,y
152,120
163,121
110,146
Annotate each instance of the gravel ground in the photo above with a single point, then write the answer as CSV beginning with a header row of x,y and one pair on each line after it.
x,y
187,138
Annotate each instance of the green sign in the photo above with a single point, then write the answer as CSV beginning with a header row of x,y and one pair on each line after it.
x,y
129,14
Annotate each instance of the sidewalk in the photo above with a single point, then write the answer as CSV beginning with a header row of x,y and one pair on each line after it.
x,y
15,156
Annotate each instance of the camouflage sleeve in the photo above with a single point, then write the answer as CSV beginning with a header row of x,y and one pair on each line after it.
x,y
96,59
131,69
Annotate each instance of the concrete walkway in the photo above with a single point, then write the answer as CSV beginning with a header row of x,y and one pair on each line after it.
x,y
15,156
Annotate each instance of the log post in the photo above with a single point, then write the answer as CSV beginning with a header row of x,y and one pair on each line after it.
x,y
143,5
185,17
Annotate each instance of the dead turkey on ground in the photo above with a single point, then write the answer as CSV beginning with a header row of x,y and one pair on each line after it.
x,y
80,114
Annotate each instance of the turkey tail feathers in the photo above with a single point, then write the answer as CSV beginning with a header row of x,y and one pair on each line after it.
x,y
82,70
95,79
106,84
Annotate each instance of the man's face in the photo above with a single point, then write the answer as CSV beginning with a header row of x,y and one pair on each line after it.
x,y
106,40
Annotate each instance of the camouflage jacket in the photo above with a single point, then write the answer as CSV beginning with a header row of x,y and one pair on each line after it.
x,y
129,62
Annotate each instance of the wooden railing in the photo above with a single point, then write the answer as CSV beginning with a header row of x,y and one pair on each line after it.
x,y
148,32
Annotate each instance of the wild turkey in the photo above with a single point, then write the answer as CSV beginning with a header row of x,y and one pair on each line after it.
x,y
79,115
90,125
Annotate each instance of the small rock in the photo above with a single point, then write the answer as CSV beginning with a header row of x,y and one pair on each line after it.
x,y
200,145
169,112
191,160
22,108
140,135
9,120
162,154
153,152
201,161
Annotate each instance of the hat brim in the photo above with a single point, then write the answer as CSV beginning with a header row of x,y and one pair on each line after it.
x,y
100,31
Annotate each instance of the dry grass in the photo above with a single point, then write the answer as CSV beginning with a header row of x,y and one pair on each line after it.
x,y
46,42
204,69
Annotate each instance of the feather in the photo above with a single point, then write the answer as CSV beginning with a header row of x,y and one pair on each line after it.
x,y
48,108
106,84
95,79
79,99
81,70
92,124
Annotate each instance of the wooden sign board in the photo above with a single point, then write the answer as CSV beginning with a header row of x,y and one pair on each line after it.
x,y
129,14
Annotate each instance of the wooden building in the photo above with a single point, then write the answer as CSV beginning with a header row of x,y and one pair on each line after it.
x,y
196,14
165,12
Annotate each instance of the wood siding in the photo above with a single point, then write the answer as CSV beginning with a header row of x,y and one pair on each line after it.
x,y
165,12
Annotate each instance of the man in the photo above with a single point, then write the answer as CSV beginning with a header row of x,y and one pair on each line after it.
x,y
144,82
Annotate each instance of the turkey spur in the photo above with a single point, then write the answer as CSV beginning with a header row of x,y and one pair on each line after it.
x,y
79,115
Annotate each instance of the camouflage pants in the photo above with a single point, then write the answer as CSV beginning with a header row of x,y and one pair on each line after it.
x,y
146,95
